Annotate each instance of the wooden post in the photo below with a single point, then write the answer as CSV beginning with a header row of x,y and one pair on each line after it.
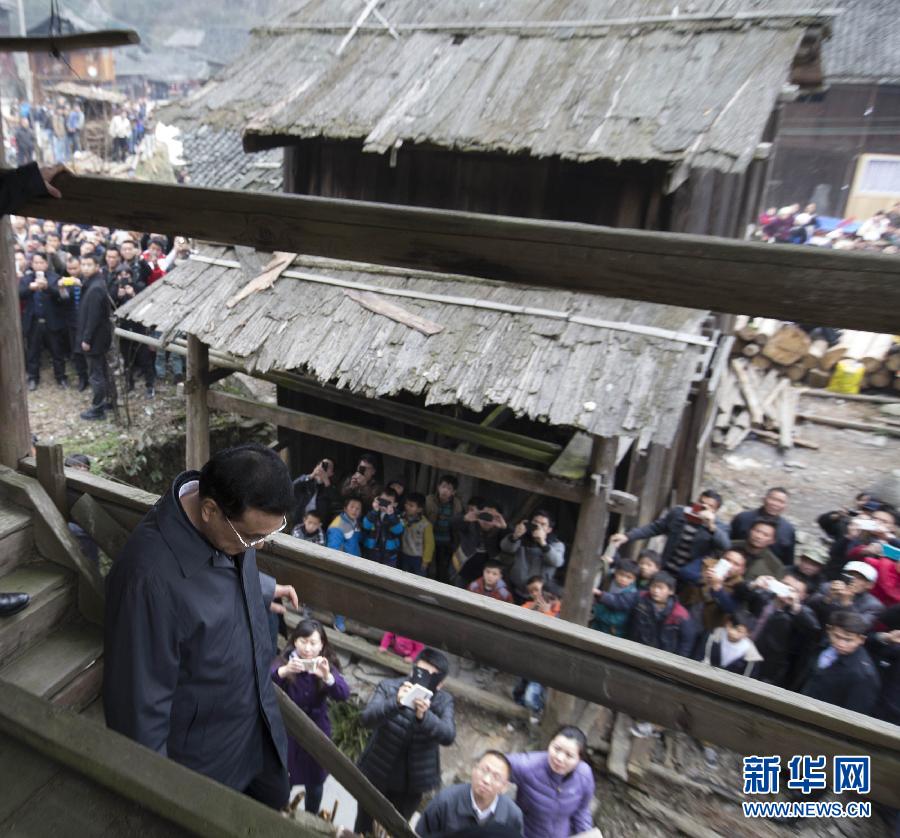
x,y
15,433
196,388
590,533
51,475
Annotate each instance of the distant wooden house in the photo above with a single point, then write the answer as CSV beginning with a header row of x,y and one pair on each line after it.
x,y
839,144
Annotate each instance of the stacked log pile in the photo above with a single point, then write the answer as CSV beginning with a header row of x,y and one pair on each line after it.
x,y
787,349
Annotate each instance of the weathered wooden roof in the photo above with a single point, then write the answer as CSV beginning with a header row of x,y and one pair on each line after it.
x,y
215,158
865,46
552,364
517,76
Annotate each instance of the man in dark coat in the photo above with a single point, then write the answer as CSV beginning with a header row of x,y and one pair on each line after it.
x,y
476,804
774,504
844,673
95,334
691,532
316,492
186,645
661,621
402,758
43,320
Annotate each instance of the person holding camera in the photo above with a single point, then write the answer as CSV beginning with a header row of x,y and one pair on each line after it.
x,y
852,592
43,320
402,757
315,492
479,533
362,483
535,550
382,530
309,672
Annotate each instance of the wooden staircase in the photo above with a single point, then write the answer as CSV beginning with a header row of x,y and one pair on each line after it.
x,y
47,649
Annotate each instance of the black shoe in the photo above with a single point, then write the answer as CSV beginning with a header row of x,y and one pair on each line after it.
x,y
94,413
63,383
32,385
12,603
83,384
151,392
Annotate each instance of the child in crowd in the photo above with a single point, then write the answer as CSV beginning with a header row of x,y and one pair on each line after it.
x,y
649,564
382,529
417,542
547,601
441,508
491,583
309,672
399,487
310,529
730,646
534,586
344,533
844,673
405,647
613,606
660,621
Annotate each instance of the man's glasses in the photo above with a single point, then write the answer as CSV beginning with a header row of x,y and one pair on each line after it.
x,y
256,542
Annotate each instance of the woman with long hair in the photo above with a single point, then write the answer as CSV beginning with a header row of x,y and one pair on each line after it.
x,y
309,672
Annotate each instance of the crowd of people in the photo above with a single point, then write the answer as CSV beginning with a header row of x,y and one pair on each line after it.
x,y
52,132
71,278
792,225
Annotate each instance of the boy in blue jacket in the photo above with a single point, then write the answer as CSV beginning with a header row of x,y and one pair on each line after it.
x,y
382,529
343,533
612,607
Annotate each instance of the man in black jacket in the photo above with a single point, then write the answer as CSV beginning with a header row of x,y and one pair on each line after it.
x,y
186,636
844,673
402,758
43,320
95,334
773,505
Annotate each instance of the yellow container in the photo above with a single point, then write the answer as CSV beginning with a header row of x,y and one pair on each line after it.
x,y
847,377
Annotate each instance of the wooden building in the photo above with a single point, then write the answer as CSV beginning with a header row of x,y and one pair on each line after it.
x,y
839,145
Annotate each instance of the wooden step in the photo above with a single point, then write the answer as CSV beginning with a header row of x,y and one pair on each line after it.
x,y
53,596
16,538
49,666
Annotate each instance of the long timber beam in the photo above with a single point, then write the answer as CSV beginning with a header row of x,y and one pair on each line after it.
x,y
806,284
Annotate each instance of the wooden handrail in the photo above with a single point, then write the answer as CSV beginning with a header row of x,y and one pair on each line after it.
x,y
732,711
787,282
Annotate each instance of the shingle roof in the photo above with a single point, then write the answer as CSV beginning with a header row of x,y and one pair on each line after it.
x,y
555,363
865,43
215,158
505,75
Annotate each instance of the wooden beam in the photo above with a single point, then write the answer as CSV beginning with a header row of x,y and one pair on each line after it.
x,y
307,734
51,474
101,39
681,694
109,534
850,425
419,452
786,282
192,803
853,397
196,388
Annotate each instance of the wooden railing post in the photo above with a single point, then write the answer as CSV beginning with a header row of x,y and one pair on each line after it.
x,y
51,474
196,388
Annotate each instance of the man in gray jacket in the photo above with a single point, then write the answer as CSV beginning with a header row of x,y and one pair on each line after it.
x,y
536,551
475,804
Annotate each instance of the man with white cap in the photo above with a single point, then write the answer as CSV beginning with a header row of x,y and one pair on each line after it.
x,y
849,593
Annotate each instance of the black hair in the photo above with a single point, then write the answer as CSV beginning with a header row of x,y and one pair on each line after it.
x,y
769,522
41,253
387,490
627,566
245,477
477,501
113,249
495,563
713,494
536,578
648,553
544,514
314,512
742,617
664,578
778,489
369,458
92,255
417,498
77,460
794,575
851,621
157,240
499,755
450,480
349,498
490,503
550,587
576,735
891,617
437,659
399,480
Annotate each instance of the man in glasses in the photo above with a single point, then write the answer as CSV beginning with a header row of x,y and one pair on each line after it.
x,y
187,644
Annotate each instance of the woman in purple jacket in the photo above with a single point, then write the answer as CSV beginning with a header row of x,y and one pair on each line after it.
x,y
309,673
555,787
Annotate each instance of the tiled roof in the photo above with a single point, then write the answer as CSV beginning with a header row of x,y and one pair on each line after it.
x,y
215,158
